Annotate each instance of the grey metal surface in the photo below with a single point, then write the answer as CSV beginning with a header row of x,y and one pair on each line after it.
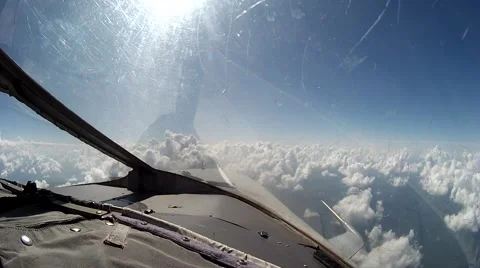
x,y
93,192
223,207
287,253
55,245
218,217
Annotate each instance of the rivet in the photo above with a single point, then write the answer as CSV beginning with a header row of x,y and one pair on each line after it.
x,y
242,262
305,265
279,242
186,239
287,245
99,212
143,223
26,240
109,223
75,229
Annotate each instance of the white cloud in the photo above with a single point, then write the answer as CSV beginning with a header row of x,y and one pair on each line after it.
x,y
272,164
398,181
355,208
285,167
358,180
458,176
297,188
310,213
386,250
327,173
379,210
65,184
47,161
41,184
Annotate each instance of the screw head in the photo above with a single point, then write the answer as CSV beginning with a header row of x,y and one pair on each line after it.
x,y
26,240
75,229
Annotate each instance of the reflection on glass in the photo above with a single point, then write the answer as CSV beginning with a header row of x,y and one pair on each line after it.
x,y
32,149
369,107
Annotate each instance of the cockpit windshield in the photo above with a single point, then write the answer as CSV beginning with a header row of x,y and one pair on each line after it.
x,y
359,116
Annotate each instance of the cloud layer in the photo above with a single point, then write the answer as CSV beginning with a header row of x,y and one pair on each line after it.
x,y
53,164
389,251
279,166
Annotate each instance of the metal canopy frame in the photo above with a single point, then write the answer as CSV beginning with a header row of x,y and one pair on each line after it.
x,y
15,82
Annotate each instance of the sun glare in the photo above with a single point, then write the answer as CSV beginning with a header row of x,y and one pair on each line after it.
x,y
166,10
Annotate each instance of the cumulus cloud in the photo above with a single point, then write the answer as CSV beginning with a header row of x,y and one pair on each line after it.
x,y
286,167
355,208
47,162
379,210
271,164
459,177
41,184
297,188
310,213
327,173
358,180
388,250
398,181
64,184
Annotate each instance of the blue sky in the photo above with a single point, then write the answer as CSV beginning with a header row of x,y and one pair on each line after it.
x,y
290,69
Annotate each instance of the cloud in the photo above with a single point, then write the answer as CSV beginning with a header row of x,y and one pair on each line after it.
x,y
309,213
28,160
459,177
297,188
379,210
41,184
438,172
64,185
355,208
327,173
288,168
386,250
358,180
275,165
398,181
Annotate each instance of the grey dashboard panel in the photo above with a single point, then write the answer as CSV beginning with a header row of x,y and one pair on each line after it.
x,y
93,192
222,218
35,236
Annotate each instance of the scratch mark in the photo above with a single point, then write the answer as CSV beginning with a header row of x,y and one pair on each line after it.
x,y
303,61
248,9
465,34
29,28
348,6
198,47
371,27
374,66
398,11
248,46
291,10
226,47
434,4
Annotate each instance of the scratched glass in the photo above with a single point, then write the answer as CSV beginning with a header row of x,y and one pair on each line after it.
x,y
360,116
